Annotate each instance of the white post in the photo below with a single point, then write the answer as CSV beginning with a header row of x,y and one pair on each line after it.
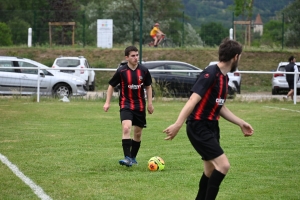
x,y
38,86
231,34
295,86
29,37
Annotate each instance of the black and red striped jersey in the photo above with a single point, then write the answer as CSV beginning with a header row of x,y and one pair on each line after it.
x,y
132,84
212,86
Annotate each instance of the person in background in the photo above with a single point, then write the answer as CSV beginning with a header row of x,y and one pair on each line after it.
x,y
134,79
202,112
156,34
291,67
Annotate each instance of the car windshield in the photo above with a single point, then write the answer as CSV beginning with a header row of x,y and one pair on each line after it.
x,y
67,62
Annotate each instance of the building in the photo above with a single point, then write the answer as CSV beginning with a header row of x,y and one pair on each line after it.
x,y
258,26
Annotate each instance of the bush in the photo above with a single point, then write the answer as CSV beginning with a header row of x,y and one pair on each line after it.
x,y
5,35
19,29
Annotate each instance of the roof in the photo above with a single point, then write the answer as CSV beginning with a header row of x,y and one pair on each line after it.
x,y
258,20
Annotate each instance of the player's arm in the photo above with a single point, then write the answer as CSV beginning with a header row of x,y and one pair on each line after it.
x,y
150,107
109,93
229,116
173,129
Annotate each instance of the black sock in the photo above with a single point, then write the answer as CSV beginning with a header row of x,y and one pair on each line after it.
x,y
135,148
202,187
126,144
213,185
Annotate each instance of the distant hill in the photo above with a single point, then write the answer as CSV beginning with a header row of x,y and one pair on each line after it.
x,y
203,11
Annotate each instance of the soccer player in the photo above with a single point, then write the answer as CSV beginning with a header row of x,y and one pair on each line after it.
x,y
202,112
291,67
133,79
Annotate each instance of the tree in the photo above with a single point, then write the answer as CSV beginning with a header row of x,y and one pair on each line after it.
x,y
126,16
272,33
292,18
213,33
5,35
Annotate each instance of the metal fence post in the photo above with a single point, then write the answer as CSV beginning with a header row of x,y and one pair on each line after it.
x,y
282,31
83,28
132,28
141,31
182,42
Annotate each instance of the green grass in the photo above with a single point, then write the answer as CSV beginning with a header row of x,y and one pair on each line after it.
x,y
71,150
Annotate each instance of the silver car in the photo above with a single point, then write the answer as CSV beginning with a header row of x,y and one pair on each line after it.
x,y
19,80
279,83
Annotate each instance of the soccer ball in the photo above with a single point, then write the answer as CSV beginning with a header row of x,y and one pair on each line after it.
x,y
156,163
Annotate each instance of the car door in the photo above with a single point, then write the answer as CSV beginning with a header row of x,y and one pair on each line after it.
x,y
9,78
29,78
181,82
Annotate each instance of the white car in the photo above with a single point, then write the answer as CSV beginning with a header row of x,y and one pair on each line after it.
x,y
235,79
83,71
279,82
19,80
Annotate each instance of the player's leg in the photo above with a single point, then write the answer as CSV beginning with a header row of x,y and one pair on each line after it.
x,y
126,118
139,122
221,165
208,169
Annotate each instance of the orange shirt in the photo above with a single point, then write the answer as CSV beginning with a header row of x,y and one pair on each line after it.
x,y
154,31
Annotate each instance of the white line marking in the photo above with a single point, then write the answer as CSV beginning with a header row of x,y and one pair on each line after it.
x,y
36,189
283,109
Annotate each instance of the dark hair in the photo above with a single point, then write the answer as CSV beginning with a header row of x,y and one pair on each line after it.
x,y
291,58
228,49
129,49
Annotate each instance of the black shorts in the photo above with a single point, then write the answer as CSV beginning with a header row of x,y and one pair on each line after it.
x,y
205,138
138,118
291,83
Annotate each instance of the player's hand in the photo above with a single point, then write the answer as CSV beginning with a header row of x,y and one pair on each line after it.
x,y
171,131
247,129
106,107
150,108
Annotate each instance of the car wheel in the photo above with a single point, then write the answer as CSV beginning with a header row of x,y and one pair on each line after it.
x,y
274,91
61,90
92,87
239,89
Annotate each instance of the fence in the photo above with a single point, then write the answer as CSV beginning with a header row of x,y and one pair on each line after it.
x,y
10,84
182,30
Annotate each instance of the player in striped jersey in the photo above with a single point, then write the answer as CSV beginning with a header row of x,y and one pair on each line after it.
x,y
134,80
202,112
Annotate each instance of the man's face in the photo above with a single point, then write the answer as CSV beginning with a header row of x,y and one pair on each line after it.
x,y
234,65
133,58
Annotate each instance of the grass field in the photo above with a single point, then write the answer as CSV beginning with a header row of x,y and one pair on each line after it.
x,y
71,150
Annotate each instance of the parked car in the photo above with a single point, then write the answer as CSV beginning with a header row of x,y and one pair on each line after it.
x,y
279,83
24,81
171,83
79,62
235,80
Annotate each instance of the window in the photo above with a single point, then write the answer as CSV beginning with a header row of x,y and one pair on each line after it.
x,y
28,71
181,67
6,63
67,62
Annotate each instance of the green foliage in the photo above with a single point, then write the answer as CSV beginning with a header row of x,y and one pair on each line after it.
x,y
212,33
292,15
5,35
191,37
272,32
19,30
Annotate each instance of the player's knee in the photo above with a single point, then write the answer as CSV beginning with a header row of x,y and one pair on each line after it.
x,y
225,167
126,129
